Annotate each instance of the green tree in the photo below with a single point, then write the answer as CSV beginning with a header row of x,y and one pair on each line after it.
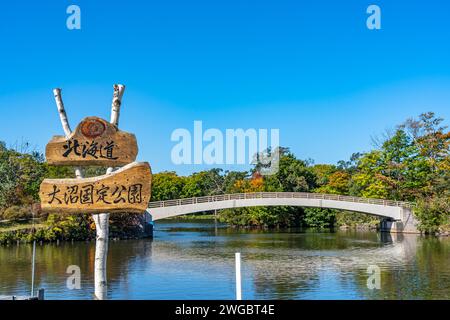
x,y
204,183
20,177
166,186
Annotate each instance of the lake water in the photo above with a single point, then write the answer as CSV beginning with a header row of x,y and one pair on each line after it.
x,y
194,259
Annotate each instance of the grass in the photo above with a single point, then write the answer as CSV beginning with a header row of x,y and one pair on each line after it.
x,y
8,226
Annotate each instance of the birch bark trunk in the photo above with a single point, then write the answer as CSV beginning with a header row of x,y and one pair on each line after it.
x,y
65,122
101,255
102,220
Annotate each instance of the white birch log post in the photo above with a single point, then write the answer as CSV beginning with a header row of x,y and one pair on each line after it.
x,y
102,220
119,89
101,254
64,122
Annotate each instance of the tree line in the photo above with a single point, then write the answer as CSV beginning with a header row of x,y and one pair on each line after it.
x,y
409,163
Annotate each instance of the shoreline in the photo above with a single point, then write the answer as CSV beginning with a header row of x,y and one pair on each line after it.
x,y
24,233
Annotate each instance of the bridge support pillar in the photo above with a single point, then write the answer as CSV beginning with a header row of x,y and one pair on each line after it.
x,y
407,223
148,225
390,225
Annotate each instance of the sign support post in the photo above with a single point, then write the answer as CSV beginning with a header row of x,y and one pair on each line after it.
x,y
97,142
102,219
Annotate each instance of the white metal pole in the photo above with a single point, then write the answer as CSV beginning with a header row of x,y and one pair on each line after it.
x,y
238,276
32,268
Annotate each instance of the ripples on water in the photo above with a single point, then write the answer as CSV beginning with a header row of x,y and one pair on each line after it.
x,y
195,260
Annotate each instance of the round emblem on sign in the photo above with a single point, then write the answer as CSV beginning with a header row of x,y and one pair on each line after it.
x,y
92,128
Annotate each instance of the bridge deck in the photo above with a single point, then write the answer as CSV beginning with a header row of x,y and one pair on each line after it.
x,y
278,195
383,208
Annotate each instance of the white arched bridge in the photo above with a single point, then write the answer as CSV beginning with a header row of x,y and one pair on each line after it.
x,y
397,215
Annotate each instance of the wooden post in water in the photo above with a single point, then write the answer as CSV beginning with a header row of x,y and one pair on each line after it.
x,y
40,294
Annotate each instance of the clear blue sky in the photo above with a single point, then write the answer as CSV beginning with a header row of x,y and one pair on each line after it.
x,y
310,68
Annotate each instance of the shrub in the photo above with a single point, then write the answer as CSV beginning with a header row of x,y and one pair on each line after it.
x,y
356,219
319,218
16,213
262,216
432,213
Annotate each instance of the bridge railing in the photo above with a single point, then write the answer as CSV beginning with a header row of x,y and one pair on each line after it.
x,y
284,195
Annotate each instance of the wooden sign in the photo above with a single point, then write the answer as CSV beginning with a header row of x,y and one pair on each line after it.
x,y
95,142
125,190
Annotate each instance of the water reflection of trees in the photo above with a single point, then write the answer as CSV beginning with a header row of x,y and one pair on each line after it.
x,y
296,268
282,264
425,275
291,264
52,261
287,264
